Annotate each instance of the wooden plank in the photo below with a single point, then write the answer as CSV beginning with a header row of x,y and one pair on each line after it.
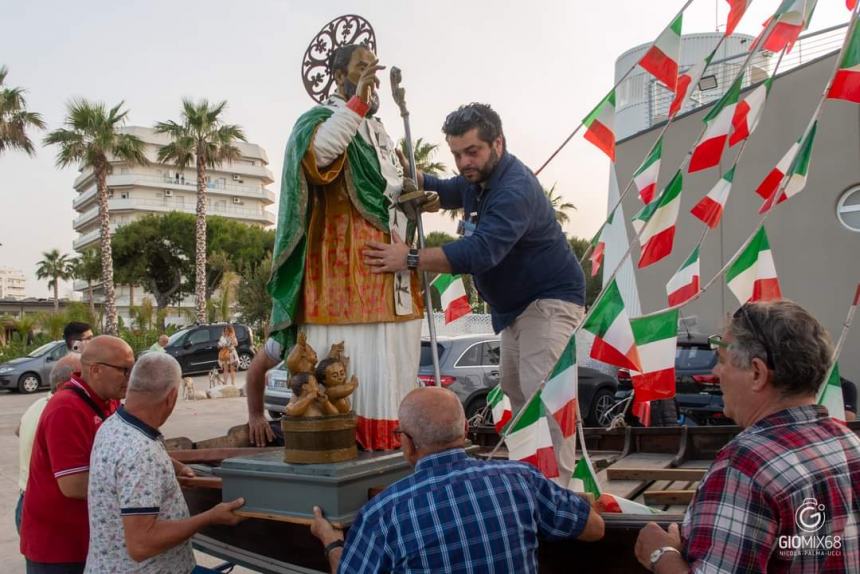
x,y
285,518
670,497
685,474
214,482
216,455
631,488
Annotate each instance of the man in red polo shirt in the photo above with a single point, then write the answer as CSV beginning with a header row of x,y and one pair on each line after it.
x,y
55,527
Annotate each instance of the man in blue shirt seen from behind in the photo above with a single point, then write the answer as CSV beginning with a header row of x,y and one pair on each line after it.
x,y
513,247
455,513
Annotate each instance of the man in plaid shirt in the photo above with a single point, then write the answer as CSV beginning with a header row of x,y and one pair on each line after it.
x,y
783,495
455,514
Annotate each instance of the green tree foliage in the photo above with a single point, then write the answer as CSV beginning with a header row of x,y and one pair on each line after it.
x,y
252,298
592,284
54,267
15,120
559,205
158,253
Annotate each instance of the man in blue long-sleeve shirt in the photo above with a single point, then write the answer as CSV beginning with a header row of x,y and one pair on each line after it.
x,y
514,248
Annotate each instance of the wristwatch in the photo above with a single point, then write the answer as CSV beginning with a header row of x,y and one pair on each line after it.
x,y
658,554
412,259
331,546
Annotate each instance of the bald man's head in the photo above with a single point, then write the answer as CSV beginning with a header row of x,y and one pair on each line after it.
x,y
434,419
106,363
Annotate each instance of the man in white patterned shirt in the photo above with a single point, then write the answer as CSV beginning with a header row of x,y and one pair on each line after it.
x,y
139,521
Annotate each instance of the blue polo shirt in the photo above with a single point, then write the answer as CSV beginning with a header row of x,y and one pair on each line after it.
x,y
518,252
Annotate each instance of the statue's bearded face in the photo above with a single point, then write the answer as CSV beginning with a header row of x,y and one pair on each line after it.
x,y
348,83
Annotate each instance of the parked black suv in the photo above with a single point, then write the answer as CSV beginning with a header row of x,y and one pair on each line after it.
x,y
196,347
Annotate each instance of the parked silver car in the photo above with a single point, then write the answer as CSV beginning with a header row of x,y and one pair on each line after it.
x,y
469,366
32,372
277,393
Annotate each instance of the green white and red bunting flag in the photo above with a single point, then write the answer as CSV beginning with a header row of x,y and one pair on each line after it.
x,y
748,113
846,82
613,336
559,392
752,277
600,125
657,221
770,183
710,208
500,405
736,12
709,150
661,59
645,177
685,283
452,295
792,18
687,83
656,338
799,169
851,4
830,395
599,246
616,504
584,479
529,440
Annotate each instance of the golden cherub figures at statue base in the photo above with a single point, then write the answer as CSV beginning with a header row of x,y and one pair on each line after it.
x,y
318,389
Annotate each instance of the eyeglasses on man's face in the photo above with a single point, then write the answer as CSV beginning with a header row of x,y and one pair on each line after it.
x,y
126,371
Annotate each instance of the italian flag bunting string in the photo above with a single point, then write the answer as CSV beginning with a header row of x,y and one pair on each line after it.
x,y
559,392
656,338
600,125
686,282
529,440
661,59
736,12
452,294
798,171
792,17
687,84
709,149
752,276
748,113
846,83
610,325
500,405
657,223
645,177
584,479
830,394
710,208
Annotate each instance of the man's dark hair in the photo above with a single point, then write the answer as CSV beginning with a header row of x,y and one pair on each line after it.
x,y
339,59
73,332
474,115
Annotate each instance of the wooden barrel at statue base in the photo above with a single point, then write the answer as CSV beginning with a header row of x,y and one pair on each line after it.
x,y
319,440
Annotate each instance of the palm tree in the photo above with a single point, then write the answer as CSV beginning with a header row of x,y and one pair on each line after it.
x,y
15,119
87,268
204,138
91,136
54,267
558,205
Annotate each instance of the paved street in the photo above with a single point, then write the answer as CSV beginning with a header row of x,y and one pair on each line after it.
x,y
194,419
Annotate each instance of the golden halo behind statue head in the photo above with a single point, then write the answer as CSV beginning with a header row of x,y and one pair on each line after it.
x,y
342,31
